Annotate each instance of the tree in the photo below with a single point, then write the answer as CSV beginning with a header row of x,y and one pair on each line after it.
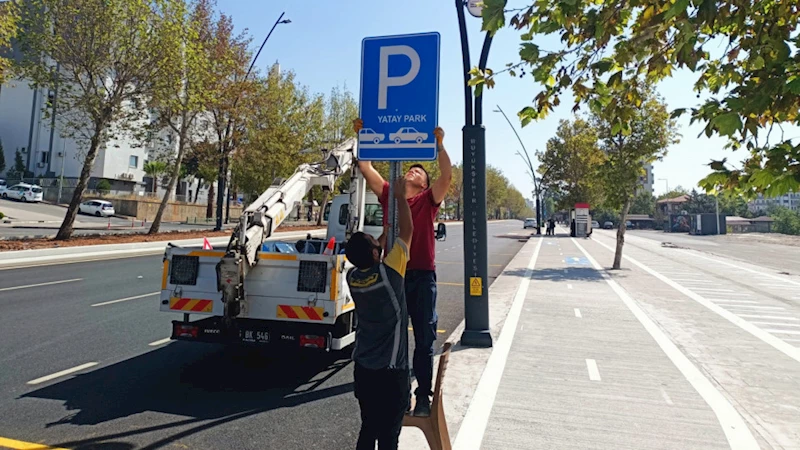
x,y
571,163
606,43
496,192
643,203
9,19
102,57
786,221
698,203
281,132
733,205
2,158
18,171
455,197
676,192
631,138
184,91
154,169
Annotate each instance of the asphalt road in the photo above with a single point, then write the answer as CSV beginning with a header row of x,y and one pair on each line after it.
x,y
136,391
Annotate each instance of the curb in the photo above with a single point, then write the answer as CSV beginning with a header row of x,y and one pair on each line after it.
x,y
466,364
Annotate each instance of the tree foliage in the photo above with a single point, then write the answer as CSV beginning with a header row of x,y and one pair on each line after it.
x,y
101,58
754,83
643,203
9,19
786,221
570,165
154,169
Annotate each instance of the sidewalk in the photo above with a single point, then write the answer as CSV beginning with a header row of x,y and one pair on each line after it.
x,y
576,363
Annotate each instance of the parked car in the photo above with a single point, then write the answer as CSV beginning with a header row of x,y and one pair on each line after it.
x,y
369,135
529,223
408,134
595,224
3,186
99,208
608,226
629,224
24,192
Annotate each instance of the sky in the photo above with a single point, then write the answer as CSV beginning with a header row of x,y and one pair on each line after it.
x,y
322,45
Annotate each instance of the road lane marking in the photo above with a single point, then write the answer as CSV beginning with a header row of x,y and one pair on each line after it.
x,y
778,344
768,317
136,297
756,307
594,373
736,431
757,272
49,283
159,342
578,313
783,331
62,373
710,289
21,445
666,397
470,434
777,324
732,302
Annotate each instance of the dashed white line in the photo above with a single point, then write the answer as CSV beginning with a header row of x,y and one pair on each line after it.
x,y
594,373
49,283
783,331
159,342
136,297
62,373
578,313
757,307
768,317
732,302
777,324
710,289
736,431
666,397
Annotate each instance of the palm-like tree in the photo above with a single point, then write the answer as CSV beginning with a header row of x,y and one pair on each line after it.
x,y
154,169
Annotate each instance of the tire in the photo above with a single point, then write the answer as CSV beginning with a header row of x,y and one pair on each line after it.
x,y
5,196
97,213
397,140
376,141
419,139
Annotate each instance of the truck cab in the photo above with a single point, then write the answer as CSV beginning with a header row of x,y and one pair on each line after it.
x,y
336,214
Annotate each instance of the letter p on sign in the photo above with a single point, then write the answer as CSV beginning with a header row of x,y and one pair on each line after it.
x,y
385,81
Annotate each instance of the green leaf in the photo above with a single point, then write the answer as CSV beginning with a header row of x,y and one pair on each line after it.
x,y
794,86
758,63
677,113
494,16
678,7
529,52
615,79
478,90
717,165
551,81
603,65
616,128
727,123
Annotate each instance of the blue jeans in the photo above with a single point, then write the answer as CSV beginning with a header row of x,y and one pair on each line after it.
x,y
421,301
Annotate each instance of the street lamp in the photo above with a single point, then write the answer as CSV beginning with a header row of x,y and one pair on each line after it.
x,y
527,160
477,331
223,158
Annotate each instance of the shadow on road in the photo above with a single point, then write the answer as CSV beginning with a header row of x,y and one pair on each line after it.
x,y
209,384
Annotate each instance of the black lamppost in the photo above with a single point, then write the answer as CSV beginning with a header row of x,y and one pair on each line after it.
x,y
222,175
476,270
527,159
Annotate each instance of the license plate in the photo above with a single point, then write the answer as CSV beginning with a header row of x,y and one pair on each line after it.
x,y
255,337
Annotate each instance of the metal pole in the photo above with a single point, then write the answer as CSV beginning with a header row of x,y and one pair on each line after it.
x,y
394,173
476,297
716,197
61,178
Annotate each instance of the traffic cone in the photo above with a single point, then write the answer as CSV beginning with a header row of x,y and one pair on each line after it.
x,y
329,248
207,245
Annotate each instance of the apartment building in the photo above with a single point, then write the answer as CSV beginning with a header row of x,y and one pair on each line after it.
x,y
790,201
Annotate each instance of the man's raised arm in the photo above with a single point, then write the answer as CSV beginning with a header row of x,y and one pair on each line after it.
x,y
442,184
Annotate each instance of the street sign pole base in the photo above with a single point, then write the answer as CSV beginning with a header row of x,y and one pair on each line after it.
x,y
476,338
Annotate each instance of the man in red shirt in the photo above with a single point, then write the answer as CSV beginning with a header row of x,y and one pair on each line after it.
x,y
424,199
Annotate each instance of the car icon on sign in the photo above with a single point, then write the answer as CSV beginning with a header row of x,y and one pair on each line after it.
x,y
368,134
407,134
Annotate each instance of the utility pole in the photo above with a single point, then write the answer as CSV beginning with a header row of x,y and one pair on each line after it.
x,y
476,297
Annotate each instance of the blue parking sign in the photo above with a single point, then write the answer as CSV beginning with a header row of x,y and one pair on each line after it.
x,y
399,101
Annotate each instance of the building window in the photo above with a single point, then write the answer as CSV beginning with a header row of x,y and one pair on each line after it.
x,y
45,157
133,162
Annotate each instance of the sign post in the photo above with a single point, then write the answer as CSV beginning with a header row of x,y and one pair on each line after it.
x,y
399,104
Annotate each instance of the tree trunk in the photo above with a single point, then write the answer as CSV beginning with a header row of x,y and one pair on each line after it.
x,y
173,178
197,191
65,232
210,201
322,207
621,233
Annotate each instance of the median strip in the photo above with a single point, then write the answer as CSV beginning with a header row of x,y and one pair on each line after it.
x,y
135,297
50,283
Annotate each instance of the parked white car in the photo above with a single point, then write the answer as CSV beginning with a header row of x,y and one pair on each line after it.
x,y
3,186
370,135
99,208
408,134
529,223
24,192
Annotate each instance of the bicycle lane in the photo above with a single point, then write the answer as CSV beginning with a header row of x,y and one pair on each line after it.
x,y
718,326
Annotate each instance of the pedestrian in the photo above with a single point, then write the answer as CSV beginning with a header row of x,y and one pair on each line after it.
x,y
424,199
552,226
381,379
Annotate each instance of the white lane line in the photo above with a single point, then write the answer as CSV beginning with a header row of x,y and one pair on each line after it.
x,y
594,373
62,373
783,331
159,342
792,340
710,289
731,302
569,286
737,433
777,324
136,297
783,347
768,317
470,434
773,308
781,279
726,294
666,397
578,313
49,283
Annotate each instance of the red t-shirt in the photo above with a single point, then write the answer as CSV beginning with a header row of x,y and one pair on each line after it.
x,y
422,254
